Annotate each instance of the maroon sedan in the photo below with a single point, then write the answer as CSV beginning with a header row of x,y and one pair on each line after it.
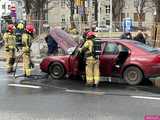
x,y
130,60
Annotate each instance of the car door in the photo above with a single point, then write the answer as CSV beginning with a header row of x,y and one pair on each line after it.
x,y
76,61
108,58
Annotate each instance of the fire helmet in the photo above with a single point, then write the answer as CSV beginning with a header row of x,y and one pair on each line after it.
x,y
20,26
30,28
91,35
10,27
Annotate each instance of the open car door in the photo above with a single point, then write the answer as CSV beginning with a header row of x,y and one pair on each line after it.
x,y
113,57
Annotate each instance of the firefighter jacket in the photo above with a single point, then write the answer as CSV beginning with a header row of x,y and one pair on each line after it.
x,y
87,48
27,42
10,40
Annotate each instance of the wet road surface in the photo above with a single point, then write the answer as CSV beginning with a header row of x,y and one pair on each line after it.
x,y
43,99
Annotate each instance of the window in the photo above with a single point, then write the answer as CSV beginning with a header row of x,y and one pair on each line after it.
x,y
114,48
107,22
122,16
3,6
107,8
19,3
63,3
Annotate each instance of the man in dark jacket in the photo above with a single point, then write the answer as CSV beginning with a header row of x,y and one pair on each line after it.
x,y
126,35
140,37
52,45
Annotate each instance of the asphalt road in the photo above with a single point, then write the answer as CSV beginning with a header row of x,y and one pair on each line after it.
x,y
46,99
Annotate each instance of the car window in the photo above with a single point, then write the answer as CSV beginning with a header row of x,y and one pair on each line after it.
x,y
111,48
114,48
122,48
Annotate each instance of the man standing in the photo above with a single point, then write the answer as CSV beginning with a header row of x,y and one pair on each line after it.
x,y
92,62
52,45
10,44
140,37
27,42
126,35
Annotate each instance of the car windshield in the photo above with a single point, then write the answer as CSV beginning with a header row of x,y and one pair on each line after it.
x,y
146,47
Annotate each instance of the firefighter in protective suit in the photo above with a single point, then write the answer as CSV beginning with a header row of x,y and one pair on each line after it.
x,y
26,42
19,31
92,61
10,44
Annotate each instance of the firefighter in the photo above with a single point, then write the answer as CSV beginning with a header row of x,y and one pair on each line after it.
x,y
10,42
19,31
92,61
27,42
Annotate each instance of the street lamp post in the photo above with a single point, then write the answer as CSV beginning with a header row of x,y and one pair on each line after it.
x,y
111,16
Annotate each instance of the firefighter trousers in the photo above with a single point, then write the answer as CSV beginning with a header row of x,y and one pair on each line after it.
x,y
92,71
10,59
26,64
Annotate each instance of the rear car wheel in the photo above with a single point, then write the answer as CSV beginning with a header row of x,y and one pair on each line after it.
x,y
133,75
57,70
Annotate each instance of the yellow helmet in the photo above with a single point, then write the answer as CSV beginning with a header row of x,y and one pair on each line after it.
x,y
20,26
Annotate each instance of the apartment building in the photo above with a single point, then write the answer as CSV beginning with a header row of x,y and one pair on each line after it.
x,y
4,7
58,13
129,10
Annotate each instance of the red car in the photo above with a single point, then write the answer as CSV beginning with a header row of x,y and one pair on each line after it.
x,y
130,60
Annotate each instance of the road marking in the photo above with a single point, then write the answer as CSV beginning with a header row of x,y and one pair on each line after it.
x,y
85,92
24,86
145,97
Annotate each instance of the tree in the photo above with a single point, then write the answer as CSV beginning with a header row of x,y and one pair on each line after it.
x,y
71,6
139,5
157,5
143,6
36,7
117,8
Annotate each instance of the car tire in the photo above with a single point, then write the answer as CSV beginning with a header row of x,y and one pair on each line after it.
x,y
133,75
57,70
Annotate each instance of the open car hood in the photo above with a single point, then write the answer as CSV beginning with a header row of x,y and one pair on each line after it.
x,y
63,39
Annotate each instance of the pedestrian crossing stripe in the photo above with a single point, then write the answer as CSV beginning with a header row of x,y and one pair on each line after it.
x,y
24,86
146,97
85,92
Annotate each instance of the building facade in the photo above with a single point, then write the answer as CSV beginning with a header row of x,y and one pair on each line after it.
x,y
4,7
58,13
129,10
20,9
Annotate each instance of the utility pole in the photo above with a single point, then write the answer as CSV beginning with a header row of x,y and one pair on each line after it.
x,y
90,13
111,16
99,13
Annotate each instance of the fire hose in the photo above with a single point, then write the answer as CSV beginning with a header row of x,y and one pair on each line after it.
x,y
34,77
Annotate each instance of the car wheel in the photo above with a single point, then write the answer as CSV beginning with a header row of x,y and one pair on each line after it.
x,y
57,70
133,75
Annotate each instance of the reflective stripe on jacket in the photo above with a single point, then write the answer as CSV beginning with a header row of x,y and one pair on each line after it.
x,y
88,48
9,39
